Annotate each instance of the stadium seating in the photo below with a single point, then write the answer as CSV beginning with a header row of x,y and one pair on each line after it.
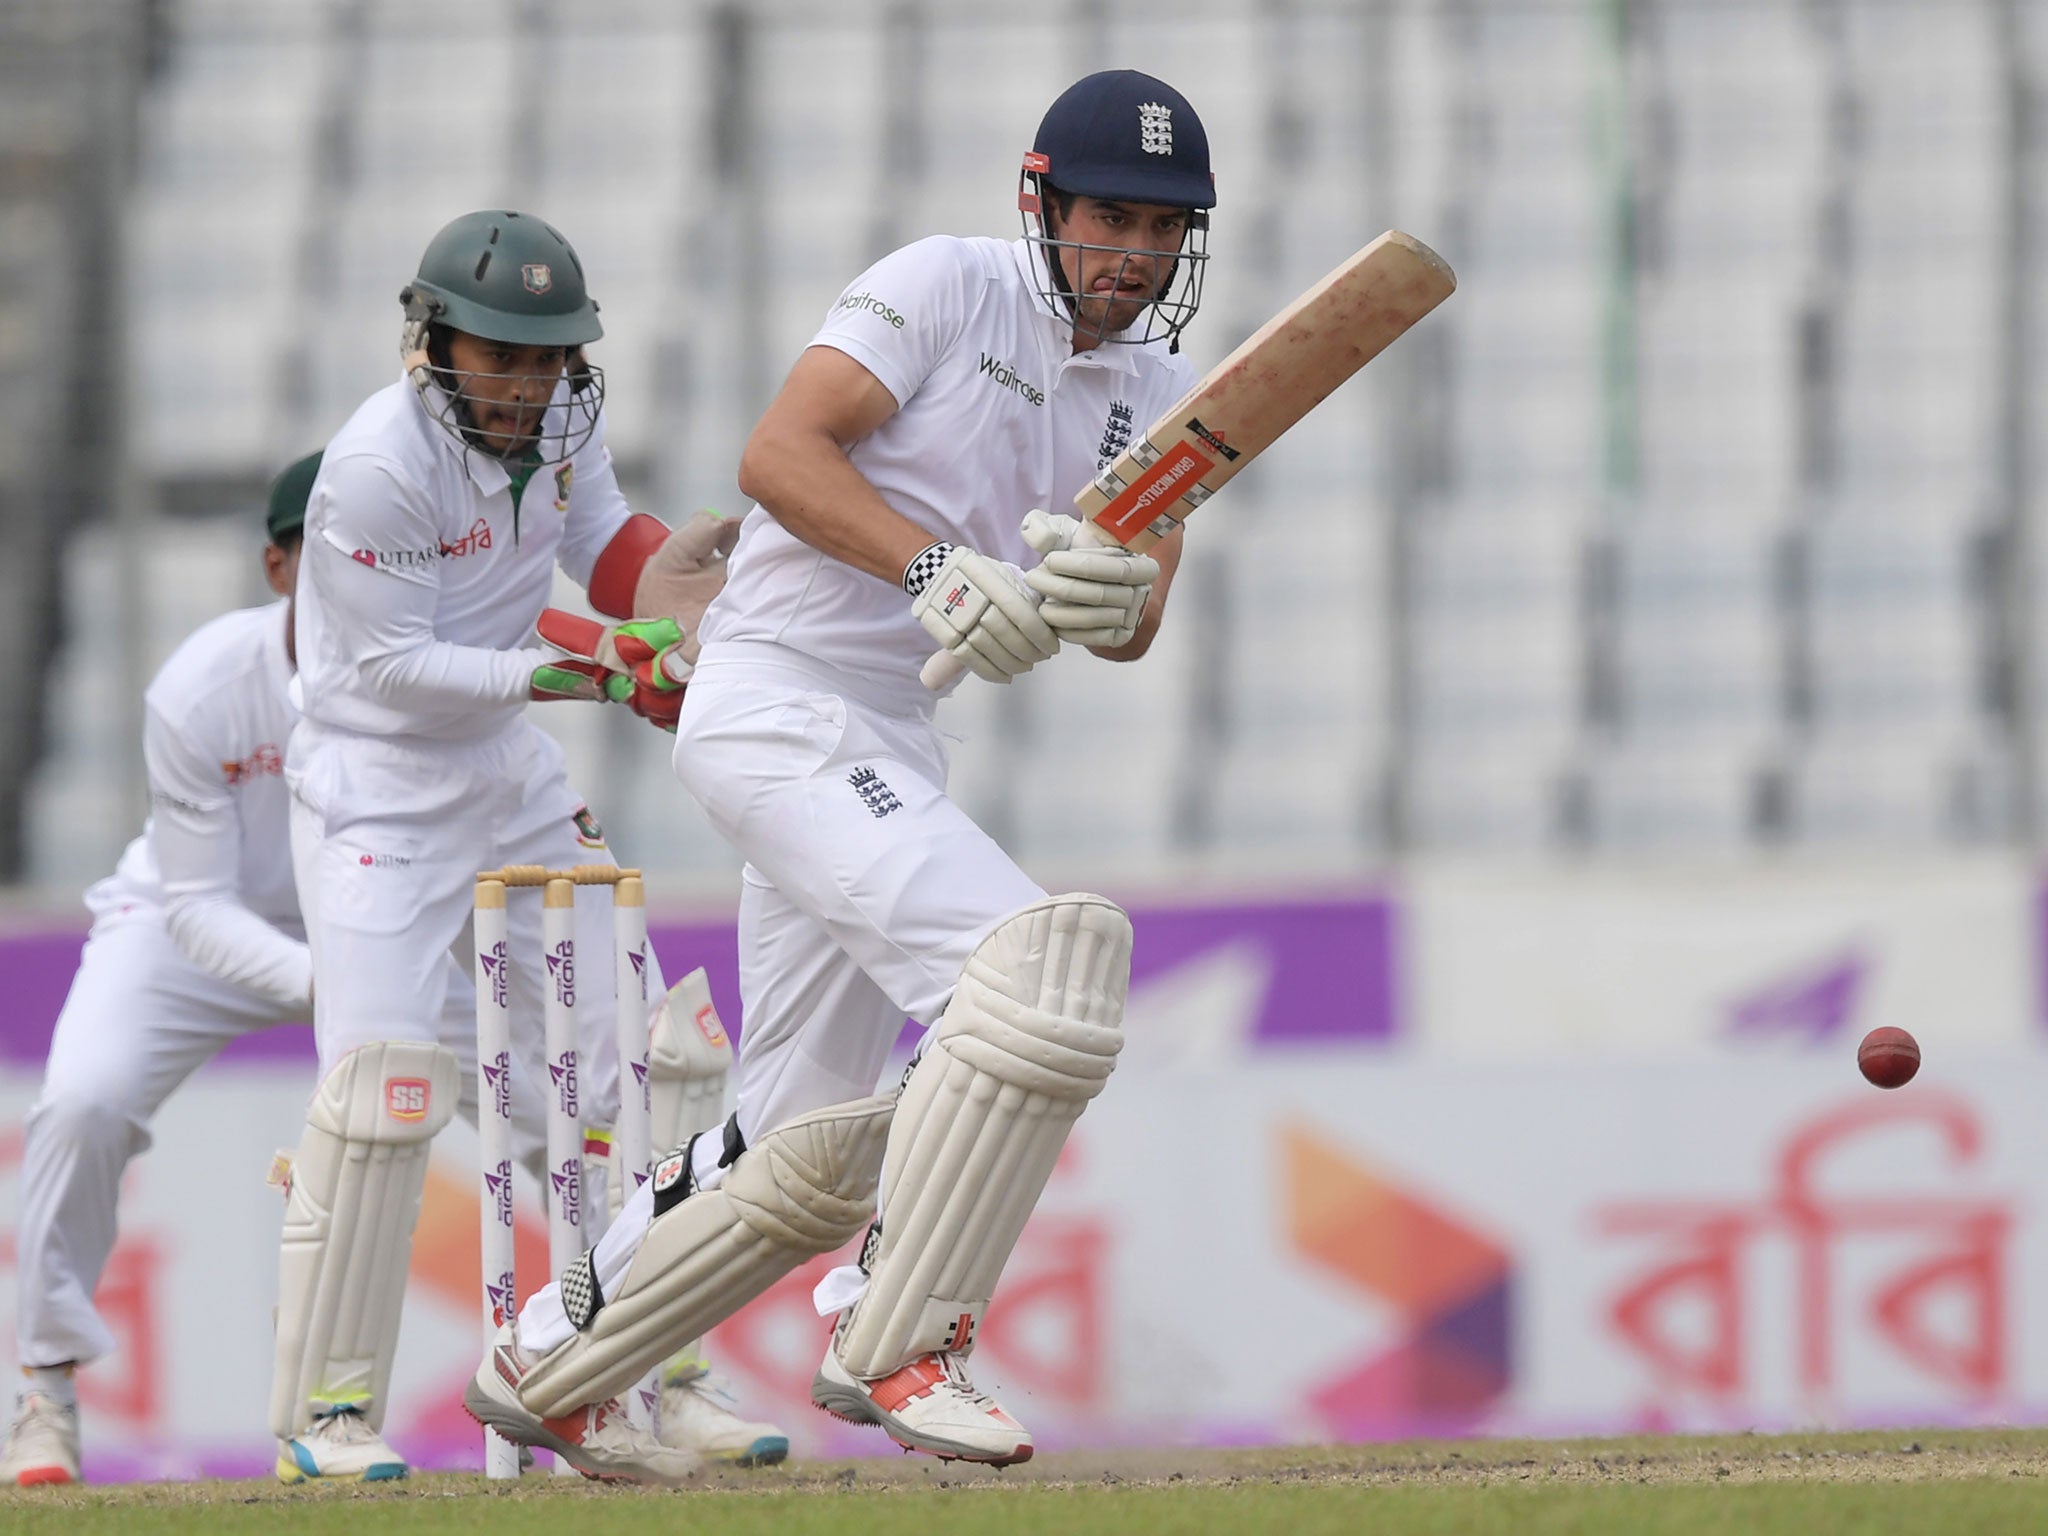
x,y
1639,536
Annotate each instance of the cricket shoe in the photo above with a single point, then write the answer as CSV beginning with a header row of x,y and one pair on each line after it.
x,y
699,1413
928,1405
339,1446
43,1445
597,1440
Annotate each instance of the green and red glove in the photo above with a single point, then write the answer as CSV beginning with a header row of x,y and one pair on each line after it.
x,y
638,663
568,679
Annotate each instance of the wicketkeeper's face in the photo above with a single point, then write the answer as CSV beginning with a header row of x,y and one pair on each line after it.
x,y
504,388
1120,259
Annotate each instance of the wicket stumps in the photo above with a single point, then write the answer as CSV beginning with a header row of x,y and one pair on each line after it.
x,y
570,1228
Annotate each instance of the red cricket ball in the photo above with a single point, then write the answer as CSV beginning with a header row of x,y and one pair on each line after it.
x,y
1888,1057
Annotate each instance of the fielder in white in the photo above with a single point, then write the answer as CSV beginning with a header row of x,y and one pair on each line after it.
x,y
955,387
196,939
440,513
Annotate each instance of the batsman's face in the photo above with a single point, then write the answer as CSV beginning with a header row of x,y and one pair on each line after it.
x,y
505,388
1121,259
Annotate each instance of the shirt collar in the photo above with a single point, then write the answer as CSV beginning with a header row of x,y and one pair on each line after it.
x,y
487,474
1112,356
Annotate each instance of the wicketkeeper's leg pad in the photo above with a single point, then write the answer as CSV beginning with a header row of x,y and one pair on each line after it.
x,y
689,1057
801,1190
356,1182
1029,1037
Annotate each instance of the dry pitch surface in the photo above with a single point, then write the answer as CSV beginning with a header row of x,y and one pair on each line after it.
x,y
1744,1485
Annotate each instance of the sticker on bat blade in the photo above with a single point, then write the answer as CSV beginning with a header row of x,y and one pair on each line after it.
x,y
1164,483
1213,439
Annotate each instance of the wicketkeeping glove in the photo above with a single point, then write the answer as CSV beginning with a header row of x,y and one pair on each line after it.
x,y
1094,594
685,574
567,679
638,663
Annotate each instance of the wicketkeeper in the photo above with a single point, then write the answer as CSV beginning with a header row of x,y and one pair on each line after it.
x,y
440,514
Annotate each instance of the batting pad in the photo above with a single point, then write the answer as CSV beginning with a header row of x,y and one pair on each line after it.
x,y
355,1193
688,1058
801,1190
1029,1037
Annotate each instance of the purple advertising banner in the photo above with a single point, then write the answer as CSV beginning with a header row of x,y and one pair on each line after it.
x,y
1327,969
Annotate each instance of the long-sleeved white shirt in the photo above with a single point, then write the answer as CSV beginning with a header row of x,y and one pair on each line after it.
x,y
215,855
422,575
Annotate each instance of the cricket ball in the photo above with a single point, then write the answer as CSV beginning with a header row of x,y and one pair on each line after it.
x,y
1888,1057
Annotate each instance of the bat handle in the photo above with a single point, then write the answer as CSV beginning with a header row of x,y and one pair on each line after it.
x,y
940,668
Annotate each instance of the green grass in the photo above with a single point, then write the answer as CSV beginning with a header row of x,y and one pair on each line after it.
x,y
1748,1485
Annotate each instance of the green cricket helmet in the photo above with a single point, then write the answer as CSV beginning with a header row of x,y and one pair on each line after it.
x,y
510,277
284,515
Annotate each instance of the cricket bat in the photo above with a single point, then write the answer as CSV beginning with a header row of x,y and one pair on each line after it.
x,y
1280,374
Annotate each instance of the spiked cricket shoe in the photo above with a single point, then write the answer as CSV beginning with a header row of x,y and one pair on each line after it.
x,y
43,1445
597,1440
928,1405
699,1413
339,1446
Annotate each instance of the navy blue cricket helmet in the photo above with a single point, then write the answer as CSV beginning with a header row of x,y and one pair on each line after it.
x,y
1128,137
1125,137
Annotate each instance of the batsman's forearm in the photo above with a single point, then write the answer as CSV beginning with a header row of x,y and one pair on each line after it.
x,y
807,483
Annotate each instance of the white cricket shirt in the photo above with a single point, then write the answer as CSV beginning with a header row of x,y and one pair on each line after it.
x,y
422,576
997,414
215,855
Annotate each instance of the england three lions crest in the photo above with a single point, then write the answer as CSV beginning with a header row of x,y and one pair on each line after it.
x,y
1155,128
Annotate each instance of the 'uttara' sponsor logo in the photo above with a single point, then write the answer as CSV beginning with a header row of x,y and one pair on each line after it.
x,y
476,540
873,306
1008,378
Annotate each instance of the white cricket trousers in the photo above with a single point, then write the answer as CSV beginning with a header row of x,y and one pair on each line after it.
x,y
140,1018
388,834
864,892
865,887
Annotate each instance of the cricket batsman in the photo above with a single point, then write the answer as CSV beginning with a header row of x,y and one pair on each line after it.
x,y
440,513
956,386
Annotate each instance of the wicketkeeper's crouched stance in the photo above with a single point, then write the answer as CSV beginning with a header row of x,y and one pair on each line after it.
x,y
442,510
957,386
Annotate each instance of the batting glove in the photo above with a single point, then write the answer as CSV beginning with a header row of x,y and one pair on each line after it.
x,y
1093,595
979,611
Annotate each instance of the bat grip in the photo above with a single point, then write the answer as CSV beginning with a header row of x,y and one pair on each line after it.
x,y
942,667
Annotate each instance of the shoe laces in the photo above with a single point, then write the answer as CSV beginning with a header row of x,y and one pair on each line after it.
x,y
39,1410
611,1429
955,1373
711,1387
345,1426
